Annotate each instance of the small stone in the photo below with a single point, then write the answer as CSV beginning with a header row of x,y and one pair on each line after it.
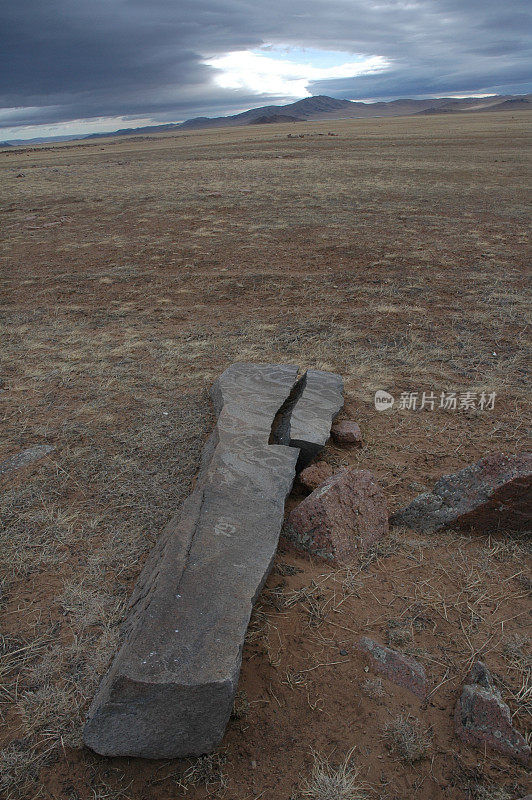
x,y
344,653
345,515
313,476
398,668
25,457
347,432
481,717
494,493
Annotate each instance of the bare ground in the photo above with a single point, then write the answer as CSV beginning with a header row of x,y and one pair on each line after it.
x,y
134,271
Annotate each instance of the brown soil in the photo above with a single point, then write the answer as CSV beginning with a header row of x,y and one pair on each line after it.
x,y
135,270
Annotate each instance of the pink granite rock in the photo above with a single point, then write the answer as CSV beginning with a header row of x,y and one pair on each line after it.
x,y
398,668
345,515
482,718
347,432
313,476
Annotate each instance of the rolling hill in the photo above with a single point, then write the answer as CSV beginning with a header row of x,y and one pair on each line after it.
x,y
321,107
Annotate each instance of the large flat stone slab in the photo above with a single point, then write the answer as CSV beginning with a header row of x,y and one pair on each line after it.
x,y
170,689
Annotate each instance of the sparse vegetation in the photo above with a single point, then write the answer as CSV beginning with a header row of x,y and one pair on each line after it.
x,y
207,771
408,738
329,781
372,687
392,253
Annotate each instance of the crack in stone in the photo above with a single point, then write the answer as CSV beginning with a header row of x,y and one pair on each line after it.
x,y
280,431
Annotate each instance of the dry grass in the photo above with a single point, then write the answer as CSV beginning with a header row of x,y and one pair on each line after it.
x,y
372,687
134,272
408,738
329,781
207,771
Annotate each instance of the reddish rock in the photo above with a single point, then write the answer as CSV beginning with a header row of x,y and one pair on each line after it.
x,y
481,718
398,668
494,493
313,476
345,515
347,432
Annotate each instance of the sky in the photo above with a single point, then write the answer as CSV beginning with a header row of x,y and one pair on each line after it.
x,y
74,66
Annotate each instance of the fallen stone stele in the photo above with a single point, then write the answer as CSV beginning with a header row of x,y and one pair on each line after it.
x,y
169,691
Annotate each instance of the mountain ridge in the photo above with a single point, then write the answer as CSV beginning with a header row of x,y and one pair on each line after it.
x,y
319,107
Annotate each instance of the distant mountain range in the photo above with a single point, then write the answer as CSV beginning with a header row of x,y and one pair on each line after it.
x,y
318,108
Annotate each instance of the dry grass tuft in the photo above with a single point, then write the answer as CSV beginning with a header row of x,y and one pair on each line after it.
x,y
398,635
19,769
481,792
373,688
334,782
407,738
205,771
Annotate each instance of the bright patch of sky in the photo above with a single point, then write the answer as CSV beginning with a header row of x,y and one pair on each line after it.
x,y
287,71
77,127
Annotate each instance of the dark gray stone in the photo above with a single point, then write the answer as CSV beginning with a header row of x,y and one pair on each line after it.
x,y
493,494
25,457
316,409
170,689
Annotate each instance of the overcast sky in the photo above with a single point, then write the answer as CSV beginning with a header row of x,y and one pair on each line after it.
x,y
70,66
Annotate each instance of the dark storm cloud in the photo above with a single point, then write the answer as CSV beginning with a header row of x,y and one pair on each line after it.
x,y
65,59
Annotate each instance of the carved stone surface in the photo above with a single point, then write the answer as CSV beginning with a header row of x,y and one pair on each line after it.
x,y
169,691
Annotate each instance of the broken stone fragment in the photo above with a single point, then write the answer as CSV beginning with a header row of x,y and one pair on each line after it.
x,y
25,457
344,516
396,666
315,475
347,432
169,691
319,403
494,493
482,718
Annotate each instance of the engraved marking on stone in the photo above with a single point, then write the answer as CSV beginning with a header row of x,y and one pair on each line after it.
x,y
224,528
